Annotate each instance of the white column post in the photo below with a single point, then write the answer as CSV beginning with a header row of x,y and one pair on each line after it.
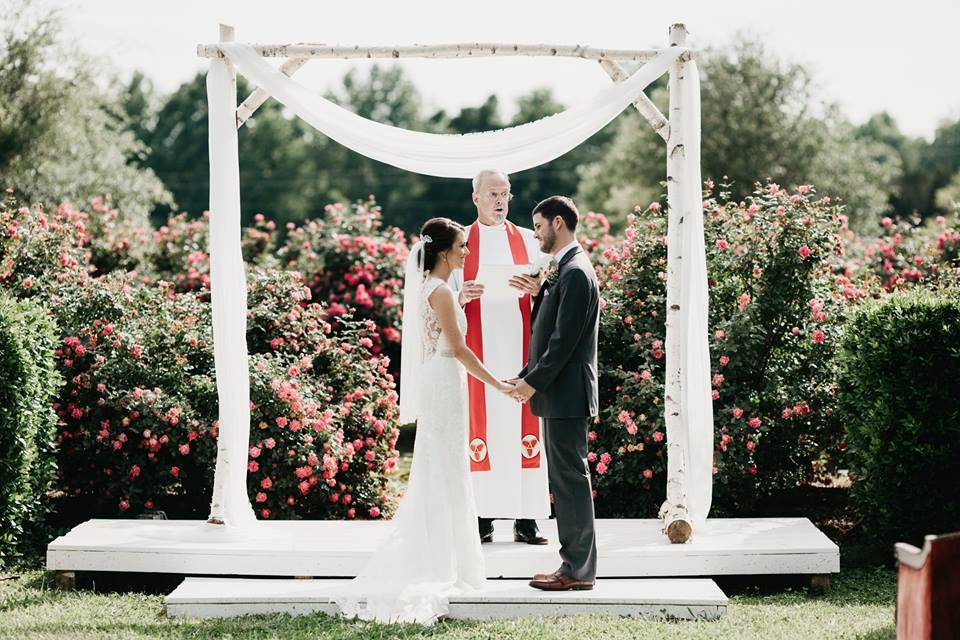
x,y
228,293
677,524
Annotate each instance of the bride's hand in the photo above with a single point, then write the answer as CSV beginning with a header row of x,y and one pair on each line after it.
x,y
505,387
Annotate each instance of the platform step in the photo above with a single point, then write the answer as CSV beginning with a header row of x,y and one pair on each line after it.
x,y
336,549
680,598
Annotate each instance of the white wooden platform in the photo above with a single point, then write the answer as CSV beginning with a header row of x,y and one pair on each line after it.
x,y
679,598
335,549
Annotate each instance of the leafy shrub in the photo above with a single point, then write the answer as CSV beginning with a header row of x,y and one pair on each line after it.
x,y
900,399
139,408
28,382
354,266
775,313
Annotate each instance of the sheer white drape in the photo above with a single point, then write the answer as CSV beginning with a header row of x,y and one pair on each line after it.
x,y
459,156
451,156
228,291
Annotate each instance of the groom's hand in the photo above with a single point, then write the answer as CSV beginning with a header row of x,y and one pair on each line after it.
x,y
471,291
522,392
526,284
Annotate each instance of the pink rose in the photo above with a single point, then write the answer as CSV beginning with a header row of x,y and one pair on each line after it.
x,y
817,336
601,468
804,251
737,412
754,423
648,473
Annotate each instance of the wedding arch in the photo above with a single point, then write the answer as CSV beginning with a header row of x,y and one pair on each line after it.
x,y
688,404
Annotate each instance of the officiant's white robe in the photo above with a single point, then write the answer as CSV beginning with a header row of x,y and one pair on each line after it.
x,y
506,490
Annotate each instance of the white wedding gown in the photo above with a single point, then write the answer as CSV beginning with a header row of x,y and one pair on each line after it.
x,y
433,550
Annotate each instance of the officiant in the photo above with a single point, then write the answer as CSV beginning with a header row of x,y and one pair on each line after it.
x,y
507,462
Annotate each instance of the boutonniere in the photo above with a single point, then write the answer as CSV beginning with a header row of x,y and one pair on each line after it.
x,y
553,272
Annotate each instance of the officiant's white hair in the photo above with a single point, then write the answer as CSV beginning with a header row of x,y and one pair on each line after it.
x,y
477,179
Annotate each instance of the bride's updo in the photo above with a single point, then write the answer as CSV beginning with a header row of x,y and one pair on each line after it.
x,y
442,233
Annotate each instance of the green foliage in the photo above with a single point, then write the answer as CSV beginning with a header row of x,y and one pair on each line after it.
x,y
775,312
30,381
899,395
355,267
62,137
139,410
759,118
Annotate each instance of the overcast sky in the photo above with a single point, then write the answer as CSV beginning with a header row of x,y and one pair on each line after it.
x,y
901,57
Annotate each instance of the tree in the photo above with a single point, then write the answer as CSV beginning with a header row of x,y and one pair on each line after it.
x,y
61,137
914,188
760,120
276,177
559,176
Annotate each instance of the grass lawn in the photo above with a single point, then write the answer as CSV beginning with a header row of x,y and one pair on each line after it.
x,y
860,605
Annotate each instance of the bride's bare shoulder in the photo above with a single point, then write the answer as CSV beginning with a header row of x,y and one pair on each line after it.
x,y
441,294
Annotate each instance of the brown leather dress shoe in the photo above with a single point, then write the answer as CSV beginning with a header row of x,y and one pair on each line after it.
x,y
561,582
546,576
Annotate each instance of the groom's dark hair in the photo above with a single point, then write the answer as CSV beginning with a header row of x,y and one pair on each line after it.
x,y
558,206
442,233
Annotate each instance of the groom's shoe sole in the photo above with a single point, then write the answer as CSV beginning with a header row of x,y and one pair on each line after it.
x,y
561,582
486,537
536,539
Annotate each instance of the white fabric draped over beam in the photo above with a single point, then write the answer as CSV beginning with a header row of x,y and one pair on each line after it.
x,y
451,155
454,156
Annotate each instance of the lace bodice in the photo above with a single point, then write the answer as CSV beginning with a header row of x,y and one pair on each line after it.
x,y
433,338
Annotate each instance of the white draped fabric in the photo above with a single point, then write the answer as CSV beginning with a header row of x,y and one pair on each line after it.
x,y
459,156
451,156
690,453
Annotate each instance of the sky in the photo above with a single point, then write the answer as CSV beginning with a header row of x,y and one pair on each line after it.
x,y
865,56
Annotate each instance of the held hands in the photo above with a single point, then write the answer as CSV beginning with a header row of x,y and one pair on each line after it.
x,y
522,392
471,291
506,387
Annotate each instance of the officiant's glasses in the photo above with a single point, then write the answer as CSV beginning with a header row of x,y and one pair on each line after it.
x,y
494,195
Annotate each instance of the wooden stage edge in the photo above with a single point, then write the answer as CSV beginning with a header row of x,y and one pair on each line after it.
x,y
339,549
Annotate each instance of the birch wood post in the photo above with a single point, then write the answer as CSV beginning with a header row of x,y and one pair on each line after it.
x,y
677,524
228,292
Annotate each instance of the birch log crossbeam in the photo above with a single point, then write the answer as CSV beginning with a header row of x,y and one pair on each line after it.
x,y
260,95
643,104
468,50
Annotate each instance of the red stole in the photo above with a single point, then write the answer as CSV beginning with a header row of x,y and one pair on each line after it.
x,y
529,423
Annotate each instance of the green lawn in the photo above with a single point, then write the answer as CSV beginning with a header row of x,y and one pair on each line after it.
x,y
860,605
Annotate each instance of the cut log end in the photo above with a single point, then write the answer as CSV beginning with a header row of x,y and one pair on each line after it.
x,y
679,531
820,584
65,580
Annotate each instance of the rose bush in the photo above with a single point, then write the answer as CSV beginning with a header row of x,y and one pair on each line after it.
x,y
775,315
355,266
139,408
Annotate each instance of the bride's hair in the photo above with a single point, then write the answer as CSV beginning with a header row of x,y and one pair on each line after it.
x,y
442,233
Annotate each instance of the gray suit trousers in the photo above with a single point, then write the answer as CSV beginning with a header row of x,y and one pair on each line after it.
x,y
569,476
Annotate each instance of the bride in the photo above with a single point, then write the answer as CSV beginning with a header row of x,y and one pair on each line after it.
x,y
433,551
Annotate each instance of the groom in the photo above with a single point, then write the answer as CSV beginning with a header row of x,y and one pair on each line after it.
x,y
560,382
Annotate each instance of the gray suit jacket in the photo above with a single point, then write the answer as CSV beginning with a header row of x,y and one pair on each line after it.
x,y
562,364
